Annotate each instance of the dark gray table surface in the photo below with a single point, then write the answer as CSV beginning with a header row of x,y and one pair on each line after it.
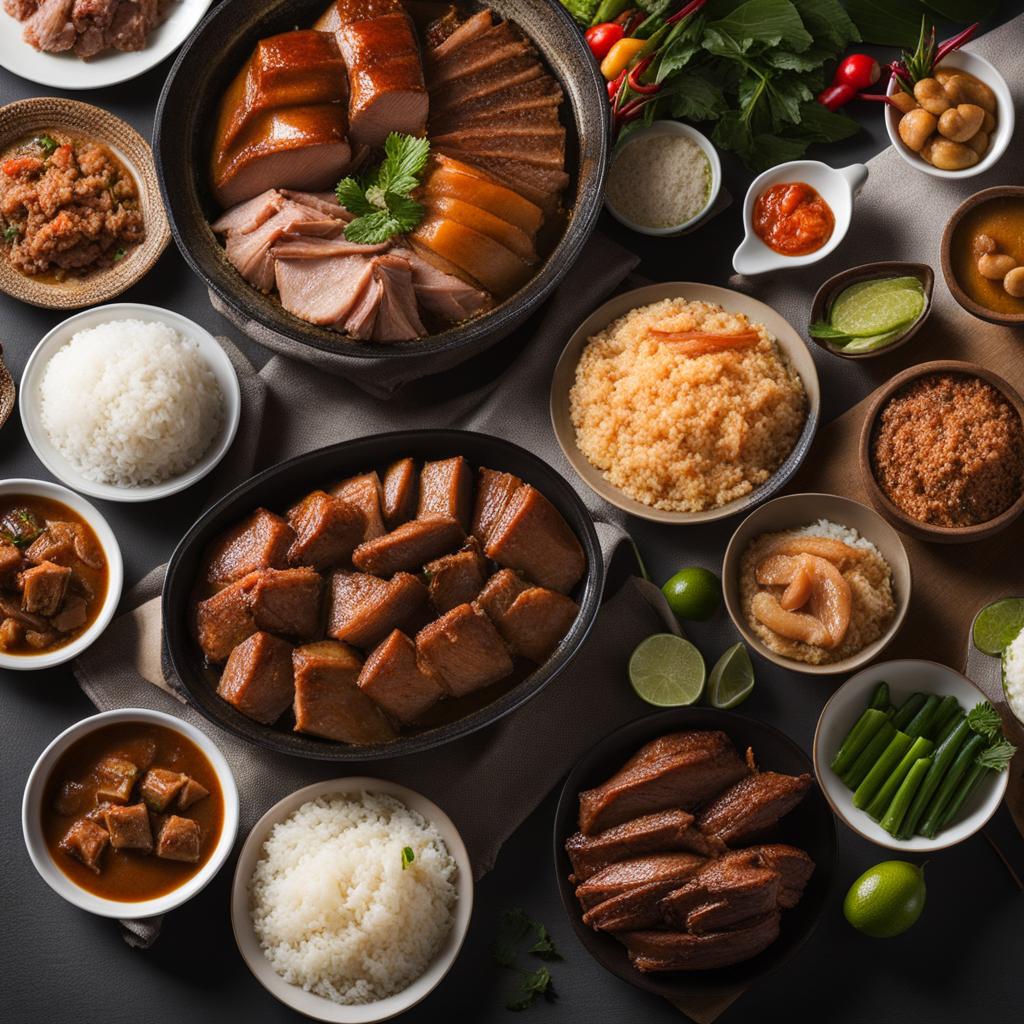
x,y
60,965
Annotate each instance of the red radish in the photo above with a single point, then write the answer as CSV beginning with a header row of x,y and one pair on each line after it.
x,y
601,38
836,95
858,71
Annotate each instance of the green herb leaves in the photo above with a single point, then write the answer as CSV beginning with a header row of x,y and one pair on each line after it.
x,y
997,756
382,202
408,856
46,144
984,720
515,929
12,233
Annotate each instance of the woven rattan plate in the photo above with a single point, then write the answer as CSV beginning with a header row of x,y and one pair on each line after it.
x,y
26,118
7,392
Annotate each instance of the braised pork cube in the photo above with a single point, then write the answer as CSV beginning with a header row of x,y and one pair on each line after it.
x,y
409,546
456,579
10,559
225,620
287,601
71,798
12,632
366,494
494,490
115,779
500,592
446,489
129,827
86,841
191,793
464,649
44,587
179,839
72,616
327,529
536,622
363,609
257,680
260,541
400,492
395,680
159,787
530,535
328,701
64,543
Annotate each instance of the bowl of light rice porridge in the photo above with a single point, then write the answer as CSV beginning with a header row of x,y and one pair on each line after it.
x,y
816,583
663,179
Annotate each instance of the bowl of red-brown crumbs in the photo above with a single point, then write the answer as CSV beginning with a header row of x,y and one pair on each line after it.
x,y
942,452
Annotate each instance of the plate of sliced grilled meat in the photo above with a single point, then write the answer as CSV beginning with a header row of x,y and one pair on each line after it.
x,y
382,596
693,849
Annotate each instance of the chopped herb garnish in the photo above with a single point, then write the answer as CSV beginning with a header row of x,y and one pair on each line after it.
x,y
533,984
544,947
998,756
984,720
408,856
119,254
513,926
12,232
515,931
382,202
46,143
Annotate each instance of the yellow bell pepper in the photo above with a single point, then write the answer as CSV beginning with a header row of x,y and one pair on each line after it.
x,y
620,56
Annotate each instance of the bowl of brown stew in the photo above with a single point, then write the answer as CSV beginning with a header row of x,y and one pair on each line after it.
x,y
60,574
129,813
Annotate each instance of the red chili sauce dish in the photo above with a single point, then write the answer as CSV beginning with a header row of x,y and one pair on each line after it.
x,y
793,219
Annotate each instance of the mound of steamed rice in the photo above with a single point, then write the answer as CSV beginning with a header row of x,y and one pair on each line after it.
x,y
333,908
130,403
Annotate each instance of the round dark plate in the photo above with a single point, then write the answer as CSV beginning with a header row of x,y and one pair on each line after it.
x,y
810,827
184,127
276,488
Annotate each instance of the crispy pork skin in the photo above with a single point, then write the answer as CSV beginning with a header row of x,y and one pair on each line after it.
x,y
752,805
700,765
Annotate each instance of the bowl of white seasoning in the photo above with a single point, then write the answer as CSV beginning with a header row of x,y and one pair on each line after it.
x,y
663,179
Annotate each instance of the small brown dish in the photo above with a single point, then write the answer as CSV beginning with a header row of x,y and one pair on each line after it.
x,y
7,390
892,512
830,290
23,119
963,219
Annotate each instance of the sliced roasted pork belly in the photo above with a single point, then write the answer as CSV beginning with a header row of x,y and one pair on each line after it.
x,y
296,246
248,216
513,238
325,290
541,185
533,94
794,866
680,951
543,145
325,202
508,74
440,292
397,316
492,49
378,43
752,805
672,869
472,185
455,35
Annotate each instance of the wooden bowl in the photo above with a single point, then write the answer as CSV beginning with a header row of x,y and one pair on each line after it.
x,y
830,290
890,511
946,250
29,117
7,390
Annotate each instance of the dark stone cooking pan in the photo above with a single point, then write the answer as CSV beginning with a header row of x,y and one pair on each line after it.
x,y
185,121
810,827
277,488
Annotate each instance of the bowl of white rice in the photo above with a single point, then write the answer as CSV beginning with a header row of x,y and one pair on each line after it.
x,y
129,402
351,899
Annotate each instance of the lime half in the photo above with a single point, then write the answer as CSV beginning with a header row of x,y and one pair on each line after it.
x,y
998,625
667,671
732,679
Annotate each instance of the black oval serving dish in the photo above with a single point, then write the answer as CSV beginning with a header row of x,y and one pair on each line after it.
x,y
184,128
810,827
276,488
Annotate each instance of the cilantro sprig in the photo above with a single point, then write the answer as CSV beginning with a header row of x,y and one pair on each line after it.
x,y
382,201
515,930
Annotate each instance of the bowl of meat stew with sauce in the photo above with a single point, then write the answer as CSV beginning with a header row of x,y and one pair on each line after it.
x,y
129,813
60,574
295,631
547,204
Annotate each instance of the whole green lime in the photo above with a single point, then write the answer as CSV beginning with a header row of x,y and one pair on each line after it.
x,y
886,900
693,593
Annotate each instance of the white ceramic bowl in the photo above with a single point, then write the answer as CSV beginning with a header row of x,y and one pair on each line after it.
x,y
789,342
31,808
845,707
961,60
837,187
66,71
115,573
715,165
60,467
791,512
298,998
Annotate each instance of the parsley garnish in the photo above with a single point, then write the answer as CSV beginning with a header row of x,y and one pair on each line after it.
x,y
46,144
408,856
382,202
515,929
11,232
119,254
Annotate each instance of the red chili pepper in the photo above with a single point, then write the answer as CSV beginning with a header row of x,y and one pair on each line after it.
x,y
601,38
836,96
633,78
858,71
616,83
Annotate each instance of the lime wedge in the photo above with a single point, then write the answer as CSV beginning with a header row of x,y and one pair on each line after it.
x,y
998,624
732,679
875,307
667,671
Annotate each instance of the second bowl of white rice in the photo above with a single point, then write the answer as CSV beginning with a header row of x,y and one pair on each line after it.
x,y
351,899
129,402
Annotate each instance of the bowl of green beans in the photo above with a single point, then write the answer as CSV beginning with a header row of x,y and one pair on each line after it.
x,y
911,756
